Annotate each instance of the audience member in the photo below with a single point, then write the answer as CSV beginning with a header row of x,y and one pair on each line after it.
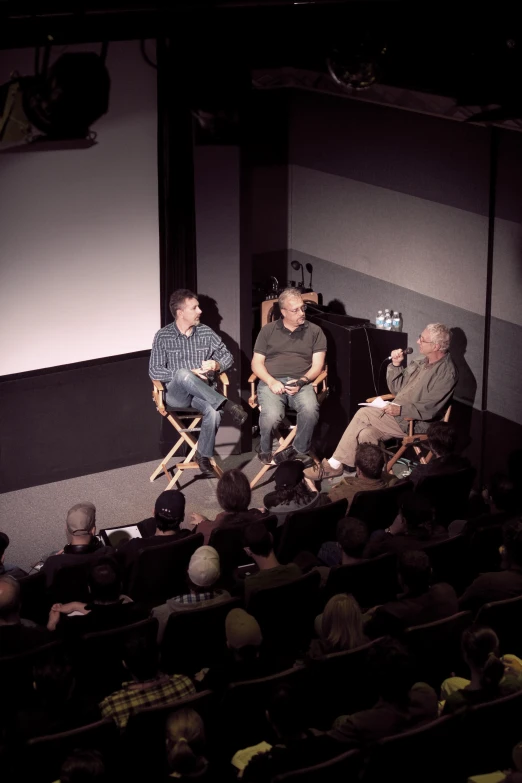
x,y
82,545
147,688
497,585
7,568
292,491
369,474
391,670
186,746
413,528
352,537
58,703
296,746
169,513
16,635
234,496
107,607
419,602
245,659
489,680
502,502
442,441
202,575
260,546
339,627
84,766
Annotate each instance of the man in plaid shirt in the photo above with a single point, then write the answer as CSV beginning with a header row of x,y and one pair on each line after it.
x,y
148,687
182,354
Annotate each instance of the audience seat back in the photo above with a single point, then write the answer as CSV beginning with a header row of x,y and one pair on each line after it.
x,y
228,540
483,550
69,584
347,767
306,530
448,493
505,617
490,732
437,648
450,563
160,571
16,672
371,582
195,638
35,604
379,507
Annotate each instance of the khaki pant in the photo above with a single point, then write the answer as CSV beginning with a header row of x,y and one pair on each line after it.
x,y
369,425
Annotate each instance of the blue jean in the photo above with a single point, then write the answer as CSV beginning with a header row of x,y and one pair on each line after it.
x,y
186,390
272,412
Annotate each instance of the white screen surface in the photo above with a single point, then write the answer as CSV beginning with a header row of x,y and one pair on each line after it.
x,y
79,268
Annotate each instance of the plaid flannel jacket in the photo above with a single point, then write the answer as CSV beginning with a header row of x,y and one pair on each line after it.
x,y
136,696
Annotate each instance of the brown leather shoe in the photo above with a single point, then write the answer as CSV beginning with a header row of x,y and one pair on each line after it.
x,y
323,470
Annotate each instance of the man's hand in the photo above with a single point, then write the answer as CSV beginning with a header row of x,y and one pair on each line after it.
x,y
397,357
196,518
199,372
398,526
393,410
276,387
291,390
210,364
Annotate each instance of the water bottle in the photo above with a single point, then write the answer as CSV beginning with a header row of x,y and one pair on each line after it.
x,y
396,322
379,320
387,321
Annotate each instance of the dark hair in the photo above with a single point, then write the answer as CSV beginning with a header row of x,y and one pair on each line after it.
x,y
258,539
4,543
391,670
415,570
104,580
167,524
233,491
352,535
141,656
418,513
503,492
301,495
185,741
83,766
53,677
370,460
480,646
442,438
177,300
512,539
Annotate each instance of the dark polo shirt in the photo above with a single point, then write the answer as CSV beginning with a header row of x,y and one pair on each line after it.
x,y
289,353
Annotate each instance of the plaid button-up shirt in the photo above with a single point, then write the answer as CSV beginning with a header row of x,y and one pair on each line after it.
x,y
172,351
136,696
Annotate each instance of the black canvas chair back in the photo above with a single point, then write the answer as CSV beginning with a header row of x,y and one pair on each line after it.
x,y
195,638
505,617
436,647
44,756
305,531
160,571
106,649
228,541
286,613
450,563
490,732
35,605
143,743
244,720
371,582
344,767
428,753
342,680
379,507
16,672
448,493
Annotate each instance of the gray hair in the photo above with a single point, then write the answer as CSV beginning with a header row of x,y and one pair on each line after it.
x,y
287,294
440,335
81,519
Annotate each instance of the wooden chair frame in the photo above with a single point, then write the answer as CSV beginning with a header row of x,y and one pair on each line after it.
x,y
411,439
321,389
175,417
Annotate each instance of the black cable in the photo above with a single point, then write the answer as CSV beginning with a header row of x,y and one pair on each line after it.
x,y
146,56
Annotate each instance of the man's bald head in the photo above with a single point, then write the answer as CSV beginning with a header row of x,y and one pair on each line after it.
x,y
81,520
9,599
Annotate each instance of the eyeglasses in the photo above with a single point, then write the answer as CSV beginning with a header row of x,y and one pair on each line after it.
x,y
297,309
422,340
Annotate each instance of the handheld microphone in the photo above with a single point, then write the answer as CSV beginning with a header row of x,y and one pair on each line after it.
x,y
405,352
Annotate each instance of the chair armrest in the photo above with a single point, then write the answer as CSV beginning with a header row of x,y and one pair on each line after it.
x,y
252,378
158,397
223,377
252,400
321,378
382,396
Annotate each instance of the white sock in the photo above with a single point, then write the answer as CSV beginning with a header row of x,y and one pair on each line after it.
x,y
334,463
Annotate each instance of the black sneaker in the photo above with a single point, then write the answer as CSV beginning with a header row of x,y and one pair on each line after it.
x,y
306,459
265,457
286,454
205,466
239,416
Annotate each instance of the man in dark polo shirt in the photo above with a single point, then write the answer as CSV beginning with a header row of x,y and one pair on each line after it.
x,y
288,355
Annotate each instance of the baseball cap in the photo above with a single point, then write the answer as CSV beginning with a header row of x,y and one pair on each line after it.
x,y
242,630
203,568
170,505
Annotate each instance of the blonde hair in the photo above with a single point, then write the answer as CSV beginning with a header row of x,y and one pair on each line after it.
x,y
342,625
185,736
